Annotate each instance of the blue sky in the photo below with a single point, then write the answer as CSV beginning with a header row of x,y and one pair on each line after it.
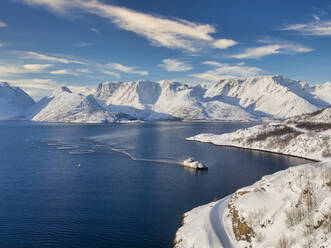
x,y
47,43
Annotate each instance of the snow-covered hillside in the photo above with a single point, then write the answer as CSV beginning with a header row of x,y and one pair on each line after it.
x,y
310,138
64,106
321,116
13,102
291,208
323,92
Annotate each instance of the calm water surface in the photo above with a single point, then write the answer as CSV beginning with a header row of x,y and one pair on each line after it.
x,y
128,193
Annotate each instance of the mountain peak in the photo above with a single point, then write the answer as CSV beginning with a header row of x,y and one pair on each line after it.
x,y
4,84
59,91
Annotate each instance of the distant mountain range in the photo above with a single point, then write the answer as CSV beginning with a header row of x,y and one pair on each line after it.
x,y
253,98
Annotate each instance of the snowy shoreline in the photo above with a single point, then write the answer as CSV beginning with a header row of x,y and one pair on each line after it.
x,y
291,208
257,150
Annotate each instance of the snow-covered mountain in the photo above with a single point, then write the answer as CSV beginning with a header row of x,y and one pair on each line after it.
x,y
228,99
168,99
62,105
246,99
13,102
271,95
323,91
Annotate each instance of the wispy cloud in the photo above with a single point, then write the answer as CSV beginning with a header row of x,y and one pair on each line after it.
x,y
36,67
62,72
269,49
37,83
127,69
226,71
56,59
315,28
2,24
6,70
213,63
174,65
112,73
83,44
160,31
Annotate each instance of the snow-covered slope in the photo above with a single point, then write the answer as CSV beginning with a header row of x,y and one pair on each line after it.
x,y
310,138
269,95
321,116
290,208
13,102
166,100
64,106
323,92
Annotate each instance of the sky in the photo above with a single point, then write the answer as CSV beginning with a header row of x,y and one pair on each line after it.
x,y
81,43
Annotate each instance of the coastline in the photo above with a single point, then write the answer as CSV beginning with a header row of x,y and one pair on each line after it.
x,y
257,150
270,138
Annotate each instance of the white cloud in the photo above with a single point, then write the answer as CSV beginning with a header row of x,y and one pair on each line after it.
x,y
62,72
9,69
112,73
127,69
38,83
6,70
224,43
317,28
83,44
175,65
56,59
36,67
171,33
227,71
261,51
213,63
2,24
95,30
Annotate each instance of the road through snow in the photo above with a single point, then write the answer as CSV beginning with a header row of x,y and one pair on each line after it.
x,y
217,222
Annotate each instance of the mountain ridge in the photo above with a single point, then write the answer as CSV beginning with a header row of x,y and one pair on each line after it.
x,y
241,99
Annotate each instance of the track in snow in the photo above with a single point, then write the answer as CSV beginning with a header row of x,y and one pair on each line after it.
x,y
216,219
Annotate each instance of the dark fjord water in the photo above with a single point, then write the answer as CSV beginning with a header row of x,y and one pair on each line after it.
x,y
111,200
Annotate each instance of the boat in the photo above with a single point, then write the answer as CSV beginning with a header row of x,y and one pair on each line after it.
x,y
194,164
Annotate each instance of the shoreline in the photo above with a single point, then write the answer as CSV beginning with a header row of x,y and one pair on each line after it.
x,y
257,150
184,215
